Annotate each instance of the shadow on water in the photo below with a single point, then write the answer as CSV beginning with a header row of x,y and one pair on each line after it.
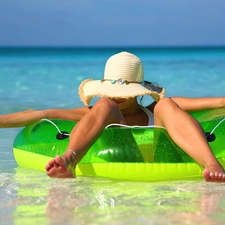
x,y
29,197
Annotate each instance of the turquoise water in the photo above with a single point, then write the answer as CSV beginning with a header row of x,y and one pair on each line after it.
x,y
45,78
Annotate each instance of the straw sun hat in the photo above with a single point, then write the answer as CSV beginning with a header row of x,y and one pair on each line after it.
x,y
123,78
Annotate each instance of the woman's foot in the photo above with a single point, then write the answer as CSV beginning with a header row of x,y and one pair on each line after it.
x,y
61,167
214,174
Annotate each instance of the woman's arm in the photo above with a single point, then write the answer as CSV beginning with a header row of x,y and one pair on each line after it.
x,y
20,119
197,104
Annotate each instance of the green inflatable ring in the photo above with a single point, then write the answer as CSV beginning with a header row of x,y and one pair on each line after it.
x,y
136,153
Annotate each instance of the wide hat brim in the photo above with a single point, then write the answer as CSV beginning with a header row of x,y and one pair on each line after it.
x,y
96,88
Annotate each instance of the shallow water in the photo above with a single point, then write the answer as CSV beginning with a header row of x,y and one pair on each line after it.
x,y
32,198
39,80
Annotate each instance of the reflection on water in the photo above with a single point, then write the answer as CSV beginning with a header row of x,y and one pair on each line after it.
x,y
29,197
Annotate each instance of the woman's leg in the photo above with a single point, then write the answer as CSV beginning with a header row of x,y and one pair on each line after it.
x,y
83,135
189,136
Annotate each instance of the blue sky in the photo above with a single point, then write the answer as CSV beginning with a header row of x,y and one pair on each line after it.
x,y
112,22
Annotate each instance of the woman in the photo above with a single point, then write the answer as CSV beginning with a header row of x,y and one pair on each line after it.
x,y
123,82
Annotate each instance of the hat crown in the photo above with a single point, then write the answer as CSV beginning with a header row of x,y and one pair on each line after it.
x,y
124,65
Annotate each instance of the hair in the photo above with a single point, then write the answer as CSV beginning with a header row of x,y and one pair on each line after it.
x,y
140,98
